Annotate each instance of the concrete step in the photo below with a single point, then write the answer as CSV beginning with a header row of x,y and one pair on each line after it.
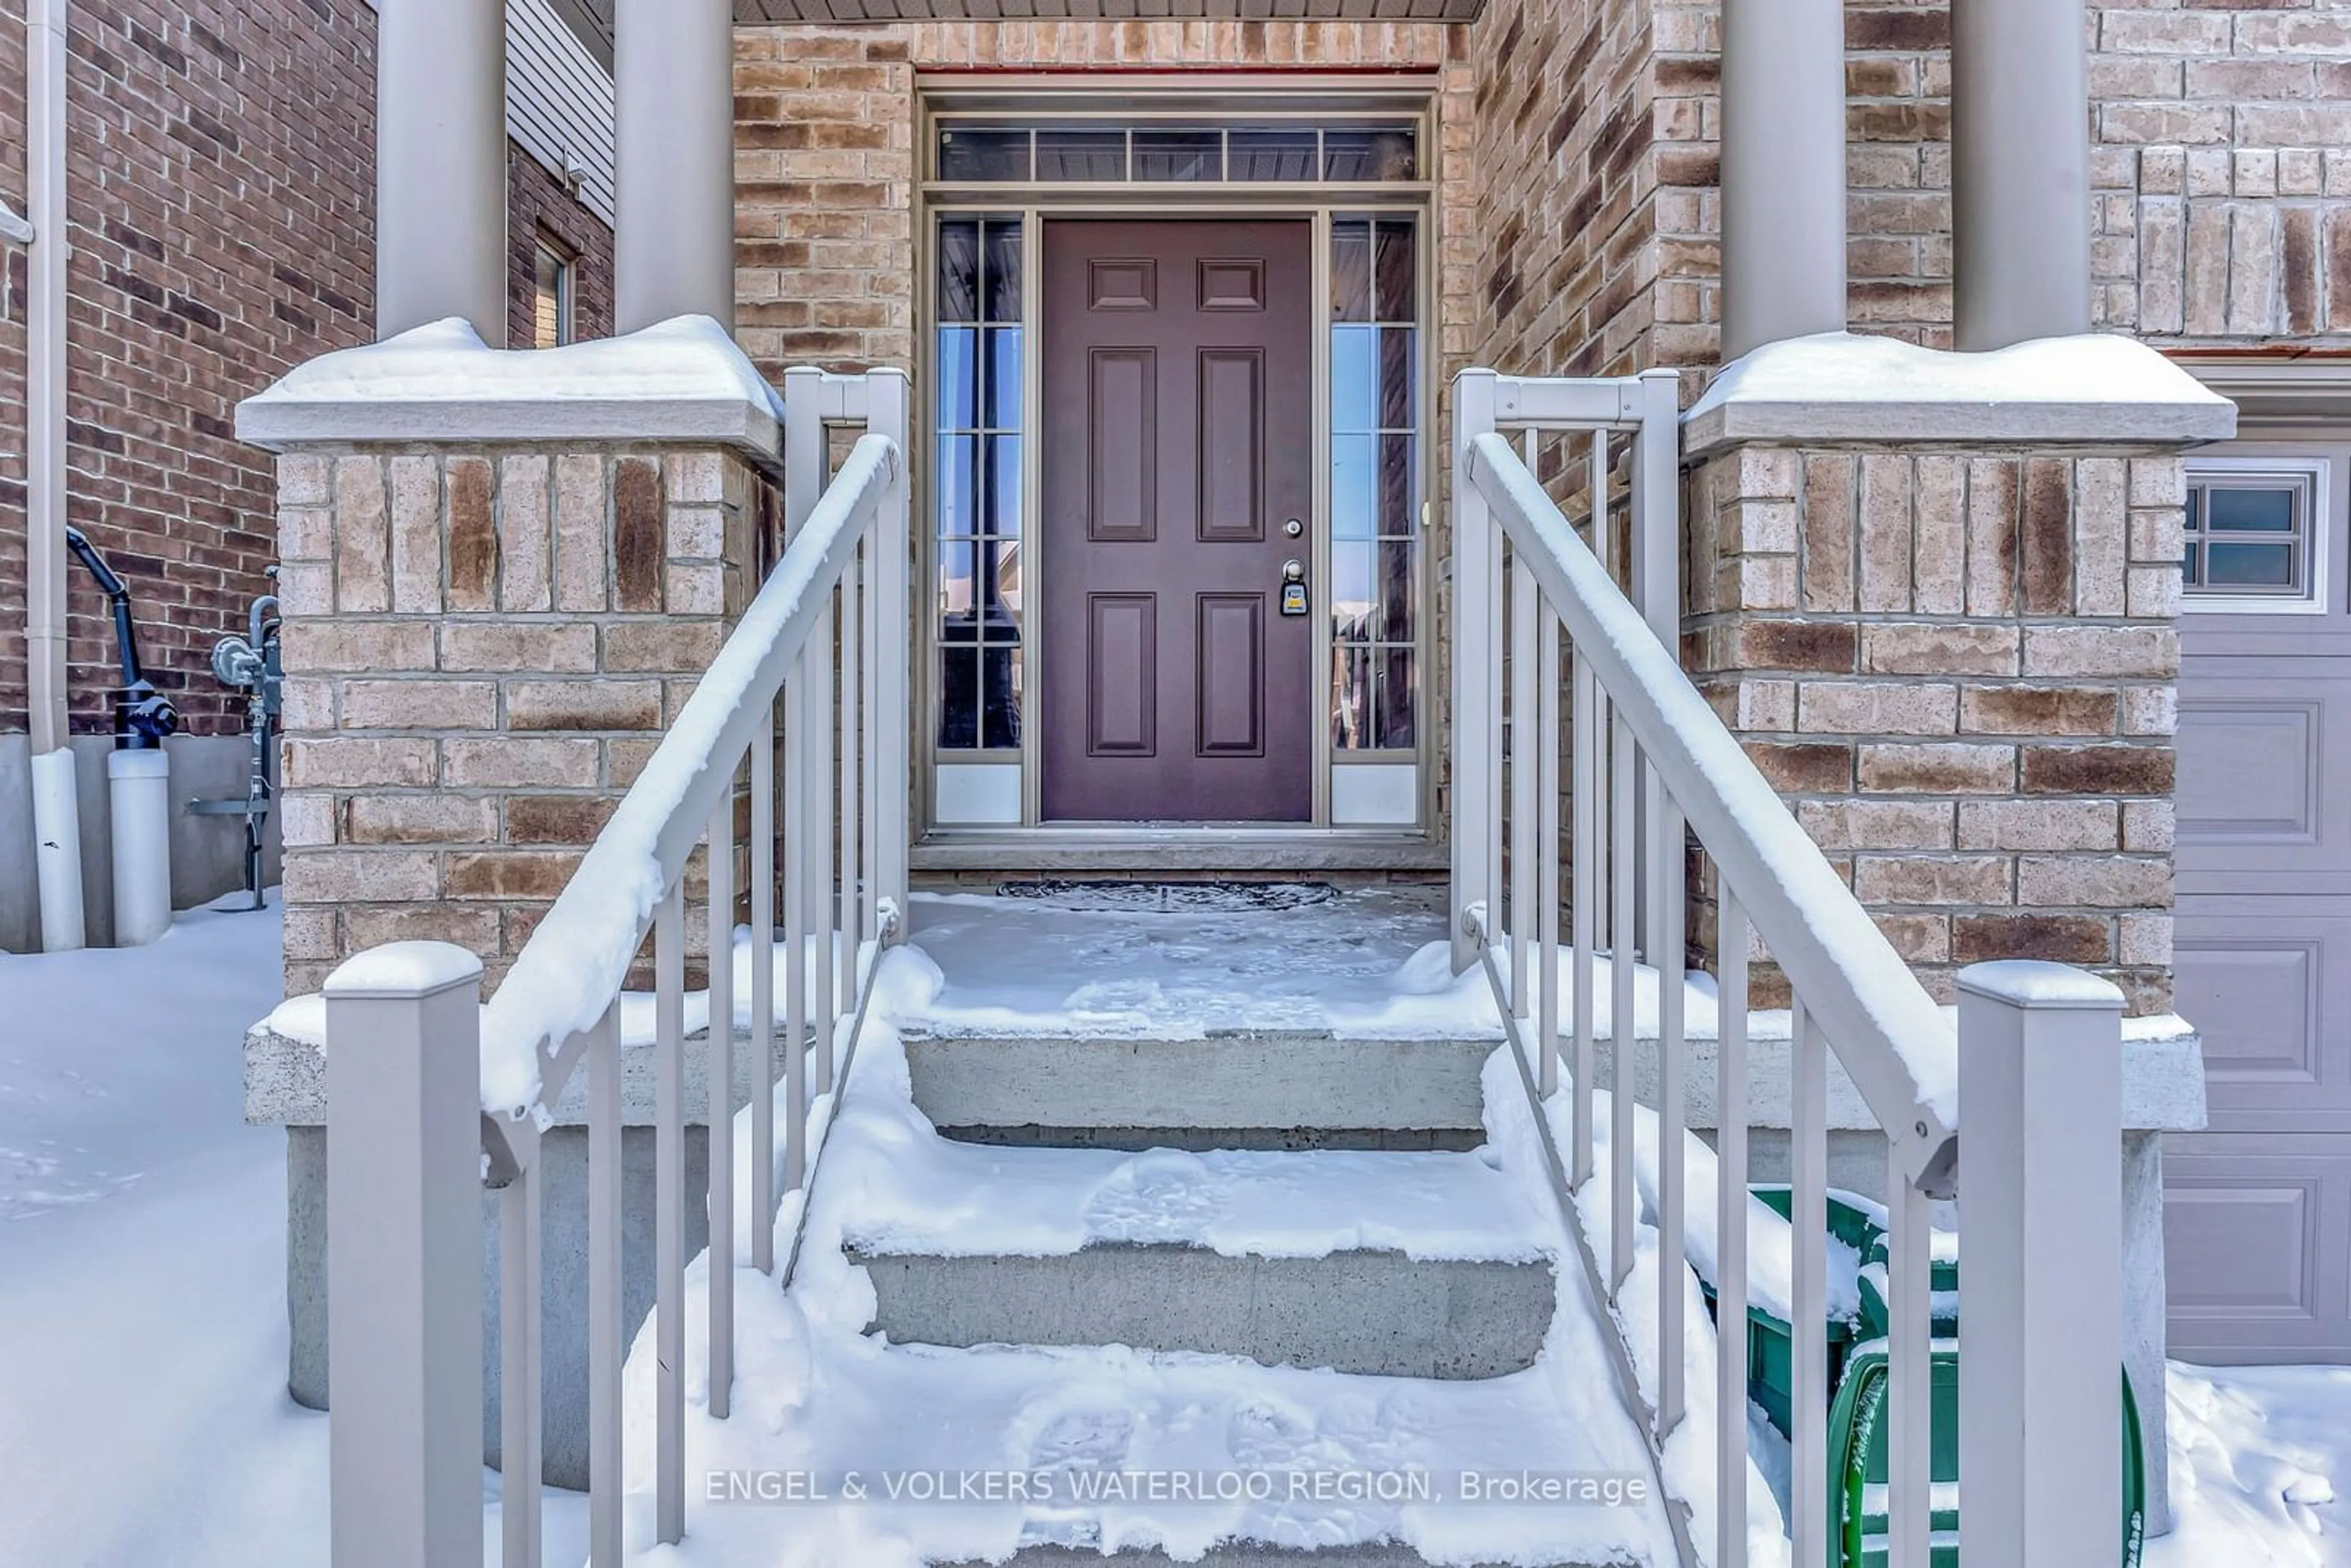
x,y
1379,1312
1271,1089
1401,1264
1255,1554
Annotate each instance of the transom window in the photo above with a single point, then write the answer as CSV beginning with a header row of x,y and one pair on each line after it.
x,y
2253,536
1061,151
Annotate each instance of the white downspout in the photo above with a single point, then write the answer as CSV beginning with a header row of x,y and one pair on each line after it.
x,y
57,823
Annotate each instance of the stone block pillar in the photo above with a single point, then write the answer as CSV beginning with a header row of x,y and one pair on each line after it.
x,y
1935,596
483,643
1958,664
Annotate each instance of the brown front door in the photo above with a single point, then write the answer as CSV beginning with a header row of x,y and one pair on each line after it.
x,y
1175,454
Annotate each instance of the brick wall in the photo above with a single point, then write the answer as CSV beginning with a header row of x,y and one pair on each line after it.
x,y
1958,667
1569,123
2221,188
537,203
2223,170
220,167
14,281
221,178
481,651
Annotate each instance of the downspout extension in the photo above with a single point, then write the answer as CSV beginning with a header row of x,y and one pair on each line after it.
x,y
57,823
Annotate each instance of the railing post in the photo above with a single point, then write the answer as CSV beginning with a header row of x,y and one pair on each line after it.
x,y
886,405
1657,506
404,1293
1476,669
2041,1242
804,449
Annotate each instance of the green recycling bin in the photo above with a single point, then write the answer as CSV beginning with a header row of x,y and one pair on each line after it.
x,y
1857,1371
1857,1457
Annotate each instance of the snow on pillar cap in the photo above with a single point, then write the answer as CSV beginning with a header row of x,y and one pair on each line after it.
x,y
403,969
2033,983
682,379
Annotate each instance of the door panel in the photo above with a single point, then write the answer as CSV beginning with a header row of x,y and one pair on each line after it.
x,y
2264,754
1122,446
1177,444
1122,655
2258,1230
2257,1211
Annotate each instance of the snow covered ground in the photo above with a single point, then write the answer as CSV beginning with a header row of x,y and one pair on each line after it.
x,y
143,1418
143,1414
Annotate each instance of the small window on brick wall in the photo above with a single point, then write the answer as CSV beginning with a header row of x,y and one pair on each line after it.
x,y
2255,536
551,296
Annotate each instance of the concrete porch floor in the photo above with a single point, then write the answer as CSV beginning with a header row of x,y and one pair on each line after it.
x,y
1187,961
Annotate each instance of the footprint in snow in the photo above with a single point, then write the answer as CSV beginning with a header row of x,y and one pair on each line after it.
x,y
1163,1195
1082,1439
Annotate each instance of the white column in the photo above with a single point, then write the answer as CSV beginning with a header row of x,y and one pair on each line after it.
x,y
2041,1235
1783,179
673,90
440,165
2019,171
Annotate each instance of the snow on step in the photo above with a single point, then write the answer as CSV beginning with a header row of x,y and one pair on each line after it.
x,y
1128,1452
909,1191
1421,1264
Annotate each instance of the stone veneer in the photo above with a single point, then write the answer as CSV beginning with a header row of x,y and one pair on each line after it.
x,y
482,646
1958,667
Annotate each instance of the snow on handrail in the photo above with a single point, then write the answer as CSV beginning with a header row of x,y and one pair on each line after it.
x,y
1894,1043
577,960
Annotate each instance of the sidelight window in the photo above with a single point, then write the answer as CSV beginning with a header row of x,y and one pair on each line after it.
x,y
1376,483
975,482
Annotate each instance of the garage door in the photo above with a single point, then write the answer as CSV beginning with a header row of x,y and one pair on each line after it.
x,y
2257,1213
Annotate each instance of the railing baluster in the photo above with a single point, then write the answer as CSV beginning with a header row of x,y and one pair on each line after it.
x,y
1491,651
1523,779
606,1344
1731,1237
869,864
1910,1356
1582,905
1547,837
1808,1219
818,844
1667,917
763,992
669,1218
795,926
851,777
718,1052
1623,1043
518,1368
1603,731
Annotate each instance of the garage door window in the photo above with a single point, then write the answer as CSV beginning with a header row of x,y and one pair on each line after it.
x,y
2253,538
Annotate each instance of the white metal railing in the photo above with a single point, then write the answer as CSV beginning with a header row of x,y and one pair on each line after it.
x,y
1650,766
430,1096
